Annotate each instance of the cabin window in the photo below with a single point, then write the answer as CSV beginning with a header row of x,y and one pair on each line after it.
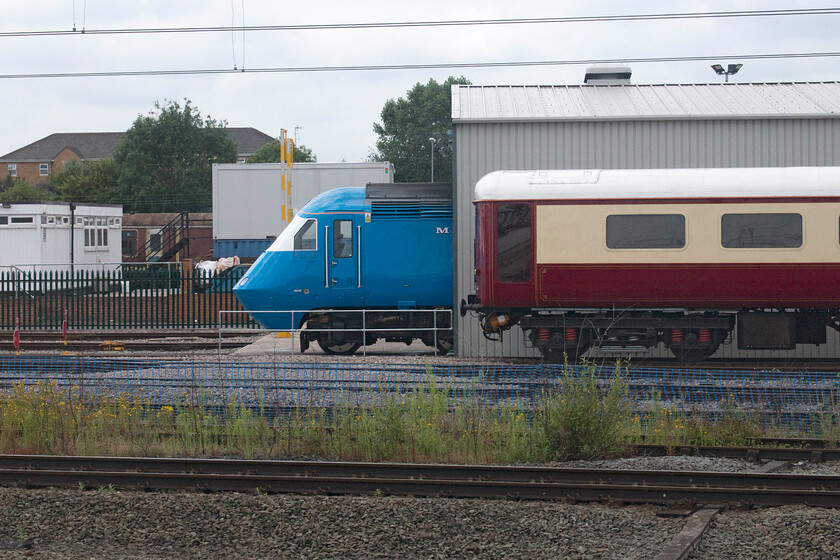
x,y
646,231
513,242
155,243
23,220
306,237
761,231
129,242
342,239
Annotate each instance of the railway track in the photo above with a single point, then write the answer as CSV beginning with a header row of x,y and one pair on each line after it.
x,y
769,449
130,341
331,478
207,339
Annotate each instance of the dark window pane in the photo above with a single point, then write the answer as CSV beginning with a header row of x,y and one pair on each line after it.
x,y
513,242
646,231
154,242
761,231
342,239
305,238
129,242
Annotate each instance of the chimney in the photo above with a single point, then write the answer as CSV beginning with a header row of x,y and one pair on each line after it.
x,y
607,75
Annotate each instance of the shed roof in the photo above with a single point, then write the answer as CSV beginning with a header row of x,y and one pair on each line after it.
x,y
644,102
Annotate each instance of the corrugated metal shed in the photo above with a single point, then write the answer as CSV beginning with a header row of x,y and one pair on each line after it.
x,y
630,127
635,102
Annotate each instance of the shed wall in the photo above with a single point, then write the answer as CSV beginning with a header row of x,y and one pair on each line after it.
x,y
484,147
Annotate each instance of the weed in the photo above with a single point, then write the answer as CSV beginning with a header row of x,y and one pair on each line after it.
x,y
580,418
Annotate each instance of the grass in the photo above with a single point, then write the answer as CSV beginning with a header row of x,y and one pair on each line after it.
x,y
578,417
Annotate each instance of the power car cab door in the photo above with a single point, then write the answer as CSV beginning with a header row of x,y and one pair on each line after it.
x,y
342,257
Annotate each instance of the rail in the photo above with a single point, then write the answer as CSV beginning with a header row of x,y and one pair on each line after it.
x,y
293,330
430,480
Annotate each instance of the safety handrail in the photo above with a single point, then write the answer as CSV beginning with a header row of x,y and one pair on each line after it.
x,y
364,329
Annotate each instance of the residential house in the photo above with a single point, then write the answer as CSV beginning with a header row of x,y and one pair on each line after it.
x,y
36,162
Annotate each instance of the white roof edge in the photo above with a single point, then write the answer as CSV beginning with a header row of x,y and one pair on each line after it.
x,y
456,102
684,117
721,84
646,101
595,184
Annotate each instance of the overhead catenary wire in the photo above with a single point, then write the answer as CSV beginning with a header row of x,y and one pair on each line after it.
x,y
428,66
441,23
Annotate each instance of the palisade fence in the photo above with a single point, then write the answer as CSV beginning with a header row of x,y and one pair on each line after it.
x,y
127,296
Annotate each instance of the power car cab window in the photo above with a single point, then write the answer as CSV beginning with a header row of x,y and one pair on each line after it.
x,y
342,239
306,238
761,231
513,242
646,231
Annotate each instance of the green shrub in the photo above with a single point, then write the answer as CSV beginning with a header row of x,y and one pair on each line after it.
x,y
581,419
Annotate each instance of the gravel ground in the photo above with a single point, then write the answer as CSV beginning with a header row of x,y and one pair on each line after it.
x,y
784,532
69,524
829,467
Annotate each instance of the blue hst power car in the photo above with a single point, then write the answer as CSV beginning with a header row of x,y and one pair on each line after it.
x,y
360,264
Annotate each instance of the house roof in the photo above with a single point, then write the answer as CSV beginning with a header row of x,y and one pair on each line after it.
x,y
248,140
644,102
98,145
87,145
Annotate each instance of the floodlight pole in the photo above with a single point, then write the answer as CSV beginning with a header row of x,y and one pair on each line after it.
x,y
432,157
729,71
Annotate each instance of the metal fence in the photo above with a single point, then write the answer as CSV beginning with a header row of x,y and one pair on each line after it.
x,y
129,296
275,388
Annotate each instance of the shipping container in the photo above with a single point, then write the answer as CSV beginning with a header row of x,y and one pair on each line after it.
x,y
253,202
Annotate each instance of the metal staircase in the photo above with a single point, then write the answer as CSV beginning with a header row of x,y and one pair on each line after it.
x,y
168,242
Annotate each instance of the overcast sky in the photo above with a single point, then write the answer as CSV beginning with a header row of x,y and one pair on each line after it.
x,y
336,110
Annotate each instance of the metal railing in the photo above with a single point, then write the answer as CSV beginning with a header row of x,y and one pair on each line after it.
x,y
364,329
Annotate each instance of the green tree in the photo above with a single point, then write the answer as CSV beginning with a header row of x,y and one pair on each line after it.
x,y
165,158
408,124
270,153
15,189
93,181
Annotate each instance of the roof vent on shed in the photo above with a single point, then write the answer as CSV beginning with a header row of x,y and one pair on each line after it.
x,y
607,75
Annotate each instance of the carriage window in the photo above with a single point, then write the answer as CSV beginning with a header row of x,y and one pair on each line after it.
x,y
761,231
342,239
306,237
513,242
646,231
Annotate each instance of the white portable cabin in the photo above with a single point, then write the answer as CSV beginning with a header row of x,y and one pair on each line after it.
x,y
251,207
37,236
